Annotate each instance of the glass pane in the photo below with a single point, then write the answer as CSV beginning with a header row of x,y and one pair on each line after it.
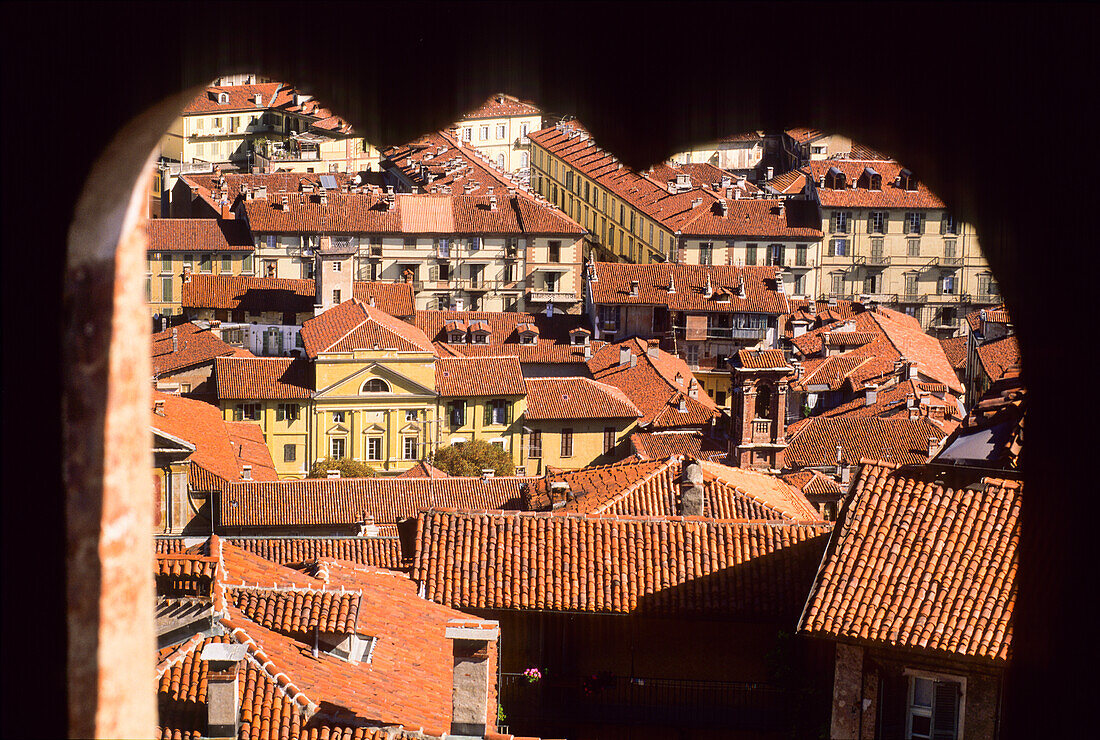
x,y
922,692
920,727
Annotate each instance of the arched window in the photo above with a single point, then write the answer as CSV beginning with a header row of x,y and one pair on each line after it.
x,y
524,160
500,161
763,401
376,385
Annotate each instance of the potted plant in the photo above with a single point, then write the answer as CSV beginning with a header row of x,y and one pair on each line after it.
x,y
533,675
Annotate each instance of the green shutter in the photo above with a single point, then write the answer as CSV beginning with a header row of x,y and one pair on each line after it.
x,y
922,217
508,412
870,222
488,413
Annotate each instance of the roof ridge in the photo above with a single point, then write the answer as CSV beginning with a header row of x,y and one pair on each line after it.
x,y
297,697
661,469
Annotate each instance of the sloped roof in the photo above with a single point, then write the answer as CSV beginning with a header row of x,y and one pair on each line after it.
x,y
576,398
479,376
423,470
202,425
381,552
998,355
195,346
919,565
248,378
551,346
996,422
660,445
618,565
651,384
501,105
898,441
813,483
891,402
252,294
954,348
354,325
396,299
198,235
613,281
344,501
891,195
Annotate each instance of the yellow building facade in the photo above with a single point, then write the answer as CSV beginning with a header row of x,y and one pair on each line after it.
x,y
197,246
499,129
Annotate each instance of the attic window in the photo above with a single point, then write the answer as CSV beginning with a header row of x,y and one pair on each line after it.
x,y
870,179
223,98
376,385
907,180
456,337
527,339
480,337
835,179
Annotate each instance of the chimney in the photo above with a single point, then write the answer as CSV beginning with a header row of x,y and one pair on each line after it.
x,y
770,173
652,350
624,355
933,443
682,407
633,360
474,674
633,288
246,472
492,201
839,454
587,351
487,473
186,274
333,473
175,339
824,342
158,407
691,489
671,283
845,474
870,397
223,708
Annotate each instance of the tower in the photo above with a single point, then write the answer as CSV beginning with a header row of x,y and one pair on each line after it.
x,y
759,383
334,274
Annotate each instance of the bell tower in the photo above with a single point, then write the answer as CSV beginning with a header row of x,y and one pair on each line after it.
x,y
759,385
334,274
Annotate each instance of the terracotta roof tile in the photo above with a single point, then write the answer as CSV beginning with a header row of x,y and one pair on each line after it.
x,y
915,564
891,402
613,283
479,376
345,501
655,385
297,610
954,348
604,564
898,441
891,195
577,398
661,445
552,344
396,299
440,163
251,294
195,346
198,235
247,378
813,483
998,355
381,552
354,325
188,564
423,470
1000,413
762,359
502,106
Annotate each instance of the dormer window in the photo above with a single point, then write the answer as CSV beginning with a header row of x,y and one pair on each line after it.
x,y
528,339
223,98
907,180
456,337
870,179
479,337
835,179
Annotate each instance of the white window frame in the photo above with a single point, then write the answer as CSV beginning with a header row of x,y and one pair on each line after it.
x,y
343,441
374,448
405,440
911,673
502,130
483,134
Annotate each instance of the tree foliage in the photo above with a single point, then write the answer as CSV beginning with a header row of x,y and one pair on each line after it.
x,y
348,468
470,458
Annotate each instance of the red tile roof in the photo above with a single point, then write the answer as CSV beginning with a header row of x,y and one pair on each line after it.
x,y
803,134
195,346
252,294
189,564
351,213
241,98
249,378
919,565
551,346
652,488
501,105
954,348
202,425
297,610
900,441
892,194
396,299
762,359
1001,412
440,163
381,552
576,398
248,439
345,501
663,444
813,483
651,384
198,235
479,376
608,564
423,470
613,281
998,355
891,402
895,335
354,325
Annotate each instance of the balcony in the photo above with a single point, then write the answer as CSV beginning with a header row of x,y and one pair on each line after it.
x,y
951,262
727,332
761,430
942,298
913,298
988,298
618,700
790,263
205,132
552,296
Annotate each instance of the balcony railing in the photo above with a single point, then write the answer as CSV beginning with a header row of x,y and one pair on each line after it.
x,y
988,298
951,262
607,699
913,298
553,296
761,430
727,332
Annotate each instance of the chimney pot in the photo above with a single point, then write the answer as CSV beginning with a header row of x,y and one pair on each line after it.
x,y
223,709
691,489
333,473
158,407
634,288
246,472
175,339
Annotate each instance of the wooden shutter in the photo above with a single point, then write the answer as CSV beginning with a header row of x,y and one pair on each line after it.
x,y
433,273
920,229
507,412
832,222
870,222
945,710
488,413
943,222
238,414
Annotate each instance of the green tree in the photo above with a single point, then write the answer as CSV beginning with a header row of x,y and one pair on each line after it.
x,y
470,458
348,468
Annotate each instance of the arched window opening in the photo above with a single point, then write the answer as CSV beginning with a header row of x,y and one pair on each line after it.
x,y
763,401
375,385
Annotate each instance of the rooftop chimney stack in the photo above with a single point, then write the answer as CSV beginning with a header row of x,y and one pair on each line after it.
x,y
870,398
473,674
175,339
246,472
839,454
223,709
624,355
158,407
933,443
333,473
652,349
691,489
633,288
